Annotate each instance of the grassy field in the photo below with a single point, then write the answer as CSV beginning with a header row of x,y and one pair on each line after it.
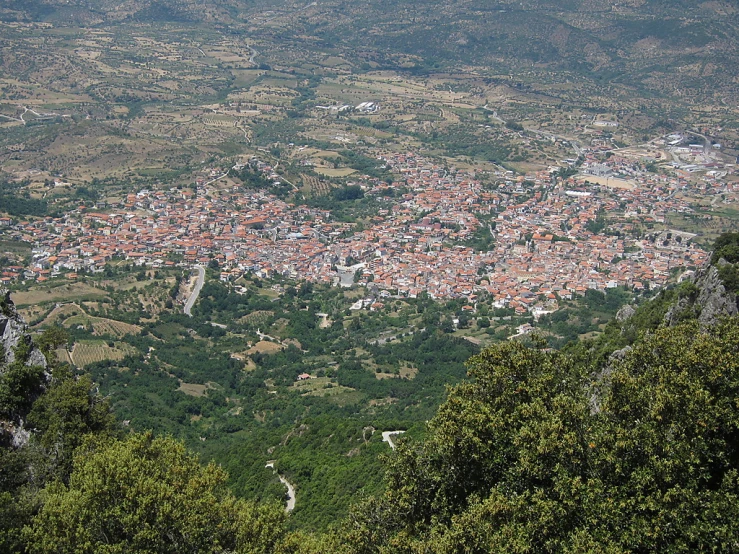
x,y
258,317
60,313
324,387
340,172
193,389
15,247
60,293
63,356
264,347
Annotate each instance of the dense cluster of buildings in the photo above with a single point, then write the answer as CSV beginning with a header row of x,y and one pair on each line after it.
x,y
544,235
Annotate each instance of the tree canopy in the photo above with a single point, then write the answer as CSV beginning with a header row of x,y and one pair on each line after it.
x,y
539,454
148,494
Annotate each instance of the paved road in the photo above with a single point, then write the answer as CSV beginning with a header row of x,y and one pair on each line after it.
x,y
216,179
290,494
387,436
198,285
290,489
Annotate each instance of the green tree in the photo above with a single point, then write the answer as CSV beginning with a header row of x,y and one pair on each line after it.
x,y
727,247
147,494
61,418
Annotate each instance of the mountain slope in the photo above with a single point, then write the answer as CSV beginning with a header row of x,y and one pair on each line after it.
x,y
548,452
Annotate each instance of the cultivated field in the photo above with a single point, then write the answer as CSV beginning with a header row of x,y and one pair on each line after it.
x,y
193,389
258,317
340,172
104,326
265,347
88,352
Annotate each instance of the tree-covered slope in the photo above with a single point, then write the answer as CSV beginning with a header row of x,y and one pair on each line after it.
x,y
534,455
628,443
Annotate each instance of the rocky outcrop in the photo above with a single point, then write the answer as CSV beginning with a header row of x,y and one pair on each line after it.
x,y
709,300
703,298
16,341
14,333
625,313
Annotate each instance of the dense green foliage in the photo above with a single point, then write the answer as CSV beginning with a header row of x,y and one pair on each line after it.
x,y
582,315
534,456
62,410
241,407
20,206
726,247
148,494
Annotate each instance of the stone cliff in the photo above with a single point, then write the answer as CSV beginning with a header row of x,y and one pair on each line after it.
x,y
709,301
17,348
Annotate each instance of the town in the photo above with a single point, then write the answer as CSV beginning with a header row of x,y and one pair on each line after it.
x,y
549,235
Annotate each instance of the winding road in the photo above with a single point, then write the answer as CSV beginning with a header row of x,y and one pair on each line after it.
x,y
290,506
196,291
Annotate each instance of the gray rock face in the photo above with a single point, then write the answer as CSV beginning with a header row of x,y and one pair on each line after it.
x,y
712,302
625,313
14,333
713,299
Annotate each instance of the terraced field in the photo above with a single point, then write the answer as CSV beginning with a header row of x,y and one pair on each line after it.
x,y
89,352
258,317
314,186
104,326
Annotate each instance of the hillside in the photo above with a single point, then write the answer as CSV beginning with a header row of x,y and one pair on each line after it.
x,y
683,53
480,228
634,451
580,450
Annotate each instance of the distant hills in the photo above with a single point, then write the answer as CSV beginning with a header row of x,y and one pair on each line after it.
x,y
682,51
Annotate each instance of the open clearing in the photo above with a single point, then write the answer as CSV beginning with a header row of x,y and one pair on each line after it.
x,y
265,347
321,386
193,389
340,172
104,326
60,313
611,182
72,291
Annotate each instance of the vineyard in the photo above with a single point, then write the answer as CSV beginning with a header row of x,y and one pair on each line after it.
x,y
256,318
218,122
314,186
89,352
104,327
63,355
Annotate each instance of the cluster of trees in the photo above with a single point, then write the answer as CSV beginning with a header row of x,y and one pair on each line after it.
x,y
535,455
583,315
241,416
255,179
148,494
727,248
532,454
60,409
15,201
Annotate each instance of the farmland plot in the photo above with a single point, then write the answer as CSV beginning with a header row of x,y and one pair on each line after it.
x,y
104,326
89,352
